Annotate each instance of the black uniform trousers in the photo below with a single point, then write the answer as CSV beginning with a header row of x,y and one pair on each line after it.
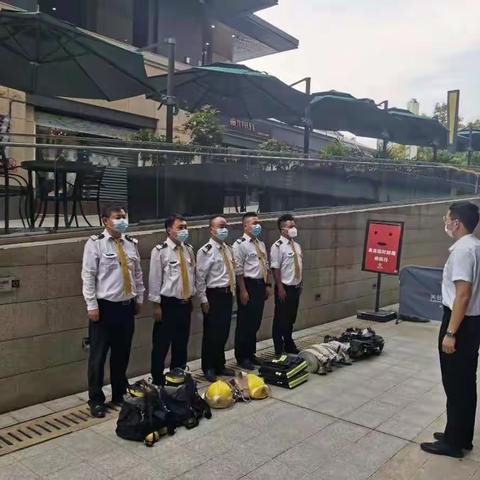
x,y
172,331
459,377
114,332
216,328
249,319
284,318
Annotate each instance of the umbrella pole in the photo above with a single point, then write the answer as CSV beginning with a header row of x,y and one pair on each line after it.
x,y
470,147
170,87
307,120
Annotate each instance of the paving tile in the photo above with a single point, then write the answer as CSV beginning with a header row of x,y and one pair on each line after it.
x,y
373,413
275,470
86,444
304,456
145,471
333,438
17,471
448,468
6,420
64,403
244,458
212,469
115,462
51,461
78,472
35,411
170,463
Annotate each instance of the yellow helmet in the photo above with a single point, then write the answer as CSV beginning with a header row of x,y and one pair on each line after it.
x,y
257,387
219,395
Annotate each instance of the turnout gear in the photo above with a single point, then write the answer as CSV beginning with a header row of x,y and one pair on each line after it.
x,y
286,371
219,395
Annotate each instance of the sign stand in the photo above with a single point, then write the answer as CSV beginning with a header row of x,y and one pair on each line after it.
x,y
382,251
377,315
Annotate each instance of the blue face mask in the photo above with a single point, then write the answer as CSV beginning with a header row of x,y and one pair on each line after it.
x,y
256,230
222,234
182,235
120,225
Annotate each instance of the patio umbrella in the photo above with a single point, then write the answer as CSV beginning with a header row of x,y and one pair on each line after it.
x,y
332,110
45,56
408,128
464,140
234,90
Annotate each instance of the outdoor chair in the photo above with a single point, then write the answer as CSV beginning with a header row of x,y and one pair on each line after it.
x,y
12,186
87,189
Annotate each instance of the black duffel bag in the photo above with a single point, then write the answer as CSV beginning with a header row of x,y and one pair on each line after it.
x,y
182,399
143,412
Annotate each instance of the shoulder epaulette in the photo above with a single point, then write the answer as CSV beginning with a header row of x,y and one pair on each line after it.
x,y
97,237
241,239
206,248
131,239
161,246
278,243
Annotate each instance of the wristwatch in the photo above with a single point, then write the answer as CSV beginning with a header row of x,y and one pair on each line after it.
x,y
450,334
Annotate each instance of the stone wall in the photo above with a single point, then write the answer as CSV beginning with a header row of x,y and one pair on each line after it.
x,y
43,322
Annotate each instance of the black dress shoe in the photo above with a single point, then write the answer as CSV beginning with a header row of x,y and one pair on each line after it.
x,y
441,448
97,411
210,375
256,361
439,436
226,372
246,365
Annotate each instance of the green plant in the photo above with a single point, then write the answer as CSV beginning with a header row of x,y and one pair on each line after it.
x,y
145,135
204,127
335,149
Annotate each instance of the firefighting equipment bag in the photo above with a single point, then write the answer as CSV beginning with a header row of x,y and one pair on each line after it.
x,y
182,399
284,366
144,413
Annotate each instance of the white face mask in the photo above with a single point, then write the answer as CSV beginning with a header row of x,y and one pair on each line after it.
x,y
448,232
292,232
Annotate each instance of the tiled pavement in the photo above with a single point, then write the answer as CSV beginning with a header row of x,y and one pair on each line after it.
x,y
363,421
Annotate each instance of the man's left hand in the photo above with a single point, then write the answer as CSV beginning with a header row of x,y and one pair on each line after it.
x,y
448,344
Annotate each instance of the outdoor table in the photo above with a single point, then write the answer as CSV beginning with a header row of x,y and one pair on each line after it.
x,y
59,168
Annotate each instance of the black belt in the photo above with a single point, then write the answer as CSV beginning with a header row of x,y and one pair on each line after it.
x,y
219,290
123,302
255,280
292,286
181,301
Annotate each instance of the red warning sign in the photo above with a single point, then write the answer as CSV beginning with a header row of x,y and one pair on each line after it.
x,y
383,247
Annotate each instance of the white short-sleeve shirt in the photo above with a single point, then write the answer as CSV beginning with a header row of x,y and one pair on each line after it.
x,y
463,264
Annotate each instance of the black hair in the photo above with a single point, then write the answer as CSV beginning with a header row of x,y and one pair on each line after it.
x,y
248,215
211,219
169,221
107,210
467,213
284,218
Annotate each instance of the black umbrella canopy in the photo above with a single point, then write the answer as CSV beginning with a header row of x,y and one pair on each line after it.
x,y
408,128
234,90
42,55
332,110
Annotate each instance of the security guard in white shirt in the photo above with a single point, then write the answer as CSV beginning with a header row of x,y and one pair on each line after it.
x,y
253,288
215,278
286,265
113,290
171,288
459,338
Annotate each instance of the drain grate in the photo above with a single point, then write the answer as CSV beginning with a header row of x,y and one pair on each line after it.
x,y
33,432
39,430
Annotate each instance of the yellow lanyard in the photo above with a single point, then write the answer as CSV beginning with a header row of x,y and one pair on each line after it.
x,y
296,263
127,283
228,264
261,257
184,273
